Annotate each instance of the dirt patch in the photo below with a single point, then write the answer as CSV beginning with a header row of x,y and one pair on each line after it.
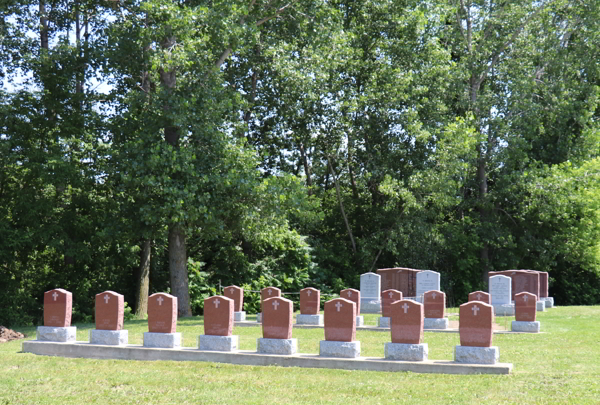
x,y
7,335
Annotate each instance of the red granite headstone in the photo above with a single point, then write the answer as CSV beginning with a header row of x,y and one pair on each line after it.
x,y
340,320
352,295
162,313
543,284
525,307
401,279
268,292
218,316
475,324
310,301
237,295
480,296
525,281
434,303
277,318
110,308
407,319
58,305
387,298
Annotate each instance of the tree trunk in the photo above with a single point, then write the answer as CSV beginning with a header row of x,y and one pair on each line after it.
x,y
143,279
306,169
178,269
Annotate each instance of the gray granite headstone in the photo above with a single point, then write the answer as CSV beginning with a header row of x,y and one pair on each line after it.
x,y
500,290
370,293
427,280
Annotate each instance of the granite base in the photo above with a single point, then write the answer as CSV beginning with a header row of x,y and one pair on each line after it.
x,y
162,340
259,317
406,352
476,355
109,337
57,334
541,306
239,316
435,323
218,343
504,309
370,305
303,319
549,302
347,350
383,322
522,326
276,346
360,321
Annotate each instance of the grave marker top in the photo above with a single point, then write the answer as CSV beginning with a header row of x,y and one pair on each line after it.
x,y
388,297
500,289
218,316
277,318
162,313
434,303
237,295
525,281
476,324
268,292
310,301
370,285
340,320
407,322
110,309
480,296
58,305
401,279
427,280
352,295
525,307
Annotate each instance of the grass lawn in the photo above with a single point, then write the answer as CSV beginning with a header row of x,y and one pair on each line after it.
x,y
560,366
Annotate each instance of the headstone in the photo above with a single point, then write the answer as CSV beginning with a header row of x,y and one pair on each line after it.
x,y
427,280
218,316
58,305
401,279
236,294
407,321
525,307
268,292
162,313
543,284
310,301
340,330
277,327
388,297
352,295
525,281
370,291
110,307
277,318
476,324
500,290
218,325
480,296
434,303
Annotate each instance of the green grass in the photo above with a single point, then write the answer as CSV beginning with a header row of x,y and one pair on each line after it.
x,y
561,366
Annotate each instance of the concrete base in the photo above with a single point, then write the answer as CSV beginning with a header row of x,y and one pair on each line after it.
x,y
360,321
218,343
309,319
276,346
541,306
476,355
530,327
239,316
347,350
259,317
435,323
549,302
504,310
406,352
162,340
370,305
109,337
383,322
252,358
56,334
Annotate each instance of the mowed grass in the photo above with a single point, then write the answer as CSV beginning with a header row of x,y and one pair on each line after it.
x,y
560,366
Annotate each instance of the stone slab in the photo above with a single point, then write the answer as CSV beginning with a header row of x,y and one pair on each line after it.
x,y
435,323
162,340
370,305
239,316
259,317
348,350
218,343
427,280
360,321
309,319
252,358
549,302
541,306
276,346
383,322
504,310
57,334
476,355
529,327
370,285
109,337
406,351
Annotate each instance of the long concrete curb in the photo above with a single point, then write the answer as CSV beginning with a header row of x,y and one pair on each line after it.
x,y
136,352
375,328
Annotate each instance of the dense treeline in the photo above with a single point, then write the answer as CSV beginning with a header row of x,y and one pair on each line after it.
x,y
177,146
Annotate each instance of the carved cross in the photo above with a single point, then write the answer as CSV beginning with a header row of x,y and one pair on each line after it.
x,y
275,305
106,298
217,302
160,300
338,305
475,310
55,295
